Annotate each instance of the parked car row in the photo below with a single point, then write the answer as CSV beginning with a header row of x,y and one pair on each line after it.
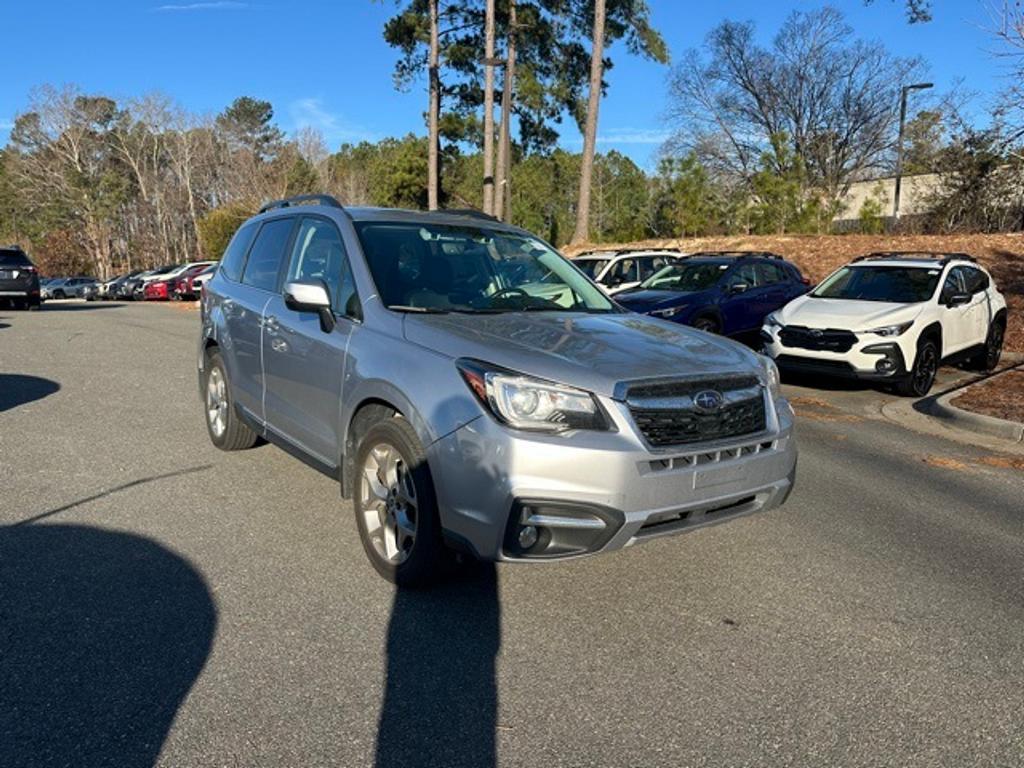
x,y
890,318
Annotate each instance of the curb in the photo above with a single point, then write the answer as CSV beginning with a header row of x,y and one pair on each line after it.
x,y
942,407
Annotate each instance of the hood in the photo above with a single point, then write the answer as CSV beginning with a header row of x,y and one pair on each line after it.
x,y
650,299
593,352
846,314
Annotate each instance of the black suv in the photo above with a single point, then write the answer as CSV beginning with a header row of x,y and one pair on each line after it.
x,y
19,279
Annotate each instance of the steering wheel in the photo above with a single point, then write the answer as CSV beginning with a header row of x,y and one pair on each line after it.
x,y
502,292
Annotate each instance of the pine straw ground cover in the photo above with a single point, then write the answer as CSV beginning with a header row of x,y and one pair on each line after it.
x,y
817,255
1002,397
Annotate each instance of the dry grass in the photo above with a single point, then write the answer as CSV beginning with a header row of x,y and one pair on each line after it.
x,y
817,255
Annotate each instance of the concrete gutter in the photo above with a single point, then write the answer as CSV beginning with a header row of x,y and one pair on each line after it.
x,y
942,407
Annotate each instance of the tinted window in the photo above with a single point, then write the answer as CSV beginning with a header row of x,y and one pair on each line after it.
x,y
952,285
747,274
904,285
234,254
649,265
624,271
592,267
770,273
9,258
318,254
687,276
264,260
974,280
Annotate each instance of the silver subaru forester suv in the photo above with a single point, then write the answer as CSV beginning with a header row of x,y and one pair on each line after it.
x,y
472,390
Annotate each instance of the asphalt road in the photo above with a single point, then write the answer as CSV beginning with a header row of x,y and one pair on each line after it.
x,y
165,603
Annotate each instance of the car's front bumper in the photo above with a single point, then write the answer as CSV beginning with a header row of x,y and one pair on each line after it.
x,y
598,491
870,359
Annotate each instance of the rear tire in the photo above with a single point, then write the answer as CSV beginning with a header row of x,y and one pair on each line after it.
x,y
226,429
396,507
922,375
988,356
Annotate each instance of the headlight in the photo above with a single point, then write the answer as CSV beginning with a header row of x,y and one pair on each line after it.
x,y
671,312
773,321
891,330
527,403
771,375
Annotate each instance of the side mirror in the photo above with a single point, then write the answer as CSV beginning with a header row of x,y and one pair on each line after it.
x,y
738,288
310,296
957,299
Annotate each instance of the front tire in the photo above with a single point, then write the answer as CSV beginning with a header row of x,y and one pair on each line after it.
x,y
706,324
922,375
396,508
227,430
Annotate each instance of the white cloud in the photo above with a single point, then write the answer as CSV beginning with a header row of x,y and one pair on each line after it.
x,y
310,112
625,136
214,5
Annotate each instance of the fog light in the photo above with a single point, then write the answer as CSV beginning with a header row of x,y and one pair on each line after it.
x,y
885,365
527,536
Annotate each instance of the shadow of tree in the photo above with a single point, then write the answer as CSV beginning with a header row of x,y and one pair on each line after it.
x,y
17,389
440,699
49,306
102,635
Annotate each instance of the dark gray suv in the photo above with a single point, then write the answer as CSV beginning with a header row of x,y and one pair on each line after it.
x,y
472,390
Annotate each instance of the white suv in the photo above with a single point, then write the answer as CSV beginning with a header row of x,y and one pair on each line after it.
x,y
617,271
892,317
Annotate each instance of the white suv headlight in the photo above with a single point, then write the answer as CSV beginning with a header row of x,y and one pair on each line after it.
x,y
891,330
773,321
527,403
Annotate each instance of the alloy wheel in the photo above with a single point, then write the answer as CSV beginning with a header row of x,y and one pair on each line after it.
x,y
216,402
925,370
388,503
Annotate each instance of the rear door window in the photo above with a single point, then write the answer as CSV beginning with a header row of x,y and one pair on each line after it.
x,y
975,280
264,262
769,274
234,255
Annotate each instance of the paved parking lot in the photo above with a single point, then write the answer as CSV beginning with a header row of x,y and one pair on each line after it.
x,y
165,603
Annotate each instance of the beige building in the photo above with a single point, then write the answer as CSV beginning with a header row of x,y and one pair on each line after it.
x,y
915,194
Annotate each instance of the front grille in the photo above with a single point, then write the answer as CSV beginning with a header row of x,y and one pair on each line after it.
x,y
666,413
820,340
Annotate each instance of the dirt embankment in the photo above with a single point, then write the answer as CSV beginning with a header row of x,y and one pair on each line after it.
x,y
817,255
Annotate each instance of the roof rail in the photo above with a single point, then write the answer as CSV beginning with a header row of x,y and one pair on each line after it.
x,y
939,256
287,202
473,212
738,254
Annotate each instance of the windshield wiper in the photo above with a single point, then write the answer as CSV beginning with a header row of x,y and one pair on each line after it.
x,y
418,310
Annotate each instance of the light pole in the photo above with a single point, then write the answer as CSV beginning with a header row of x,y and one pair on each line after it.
x,y
899,147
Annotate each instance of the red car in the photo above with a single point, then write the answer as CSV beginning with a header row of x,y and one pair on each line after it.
x,y
185,287
158,290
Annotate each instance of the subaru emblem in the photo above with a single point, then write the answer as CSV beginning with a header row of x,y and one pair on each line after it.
x,y
708,400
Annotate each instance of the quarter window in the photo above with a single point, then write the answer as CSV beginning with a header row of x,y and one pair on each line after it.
x,y
234,255
769,274
267,252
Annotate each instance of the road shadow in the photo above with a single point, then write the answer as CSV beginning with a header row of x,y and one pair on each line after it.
x,y
441,698
17,389
102,635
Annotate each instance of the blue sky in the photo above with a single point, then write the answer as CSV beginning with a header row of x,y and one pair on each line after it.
x,y
324,63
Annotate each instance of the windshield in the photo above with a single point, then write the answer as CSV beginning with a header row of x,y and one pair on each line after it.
x,y
453,268
901,285
687,276
591,267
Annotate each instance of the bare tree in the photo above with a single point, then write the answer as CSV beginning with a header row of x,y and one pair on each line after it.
x,y
832,97
582,232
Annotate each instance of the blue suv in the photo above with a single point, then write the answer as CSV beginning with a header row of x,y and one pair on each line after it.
x,y
725,292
